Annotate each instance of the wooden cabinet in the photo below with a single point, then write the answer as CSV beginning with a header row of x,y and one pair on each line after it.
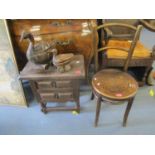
x,y
51,86
70,35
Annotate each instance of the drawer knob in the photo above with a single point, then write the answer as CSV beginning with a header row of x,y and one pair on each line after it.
x,y
63,43
56,23
56,96
53,84
69,22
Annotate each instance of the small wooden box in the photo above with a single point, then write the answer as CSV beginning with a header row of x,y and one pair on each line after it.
x,y
52,86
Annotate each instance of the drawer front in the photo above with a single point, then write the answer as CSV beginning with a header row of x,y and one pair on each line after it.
x,y
46,84
43,85
38,26
47,96
63,84
65,95
56,96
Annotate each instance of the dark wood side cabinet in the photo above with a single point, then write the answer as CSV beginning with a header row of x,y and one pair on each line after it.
x,y
52,86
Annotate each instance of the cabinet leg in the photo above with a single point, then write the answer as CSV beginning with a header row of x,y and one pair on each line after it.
x,y
44,110
43,107
78,105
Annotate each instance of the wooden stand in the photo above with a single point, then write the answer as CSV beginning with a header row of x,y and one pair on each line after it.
x,y
52,86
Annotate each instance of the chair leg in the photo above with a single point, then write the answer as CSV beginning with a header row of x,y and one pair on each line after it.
x,y
130,102
146,73
98,107
92,96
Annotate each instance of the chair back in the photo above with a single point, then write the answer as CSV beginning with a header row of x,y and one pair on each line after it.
x,y
134,37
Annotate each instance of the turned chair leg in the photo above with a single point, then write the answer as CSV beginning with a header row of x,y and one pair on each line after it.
x,y
98,108
146,73
92,96
130,102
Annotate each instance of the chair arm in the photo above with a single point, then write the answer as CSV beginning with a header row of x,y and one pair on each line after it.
x,y
116,24
106,48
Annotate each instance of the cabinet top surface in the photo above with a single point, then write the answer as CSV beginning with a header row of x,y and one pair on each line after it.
x,y
32,71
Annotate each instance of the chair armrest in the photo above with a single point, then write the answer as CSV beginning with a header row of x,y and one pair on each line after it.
x,y
106,48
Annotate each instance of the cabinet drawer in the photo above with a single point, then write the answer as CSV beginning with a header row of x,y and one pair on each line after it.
x,y
38,26
46,84
43,85
47,96
65,95
51,96
63,84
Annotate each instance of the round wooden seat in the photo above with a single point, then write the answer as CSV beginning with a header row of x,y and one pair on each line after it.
x,y
114,84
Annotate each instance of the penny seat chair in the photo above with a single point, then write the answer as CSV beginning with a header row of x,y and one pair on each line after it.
x,y
115,85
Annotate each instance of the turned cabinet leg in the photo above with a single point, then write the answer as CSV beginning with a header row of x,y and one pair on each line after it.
x,y
43,107
98,108
77,98
78,105
129,105
92,96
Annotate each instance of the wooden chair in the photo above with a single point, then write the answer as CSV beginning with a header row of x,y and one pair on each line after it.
x,y
148,24
114,85
140,65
